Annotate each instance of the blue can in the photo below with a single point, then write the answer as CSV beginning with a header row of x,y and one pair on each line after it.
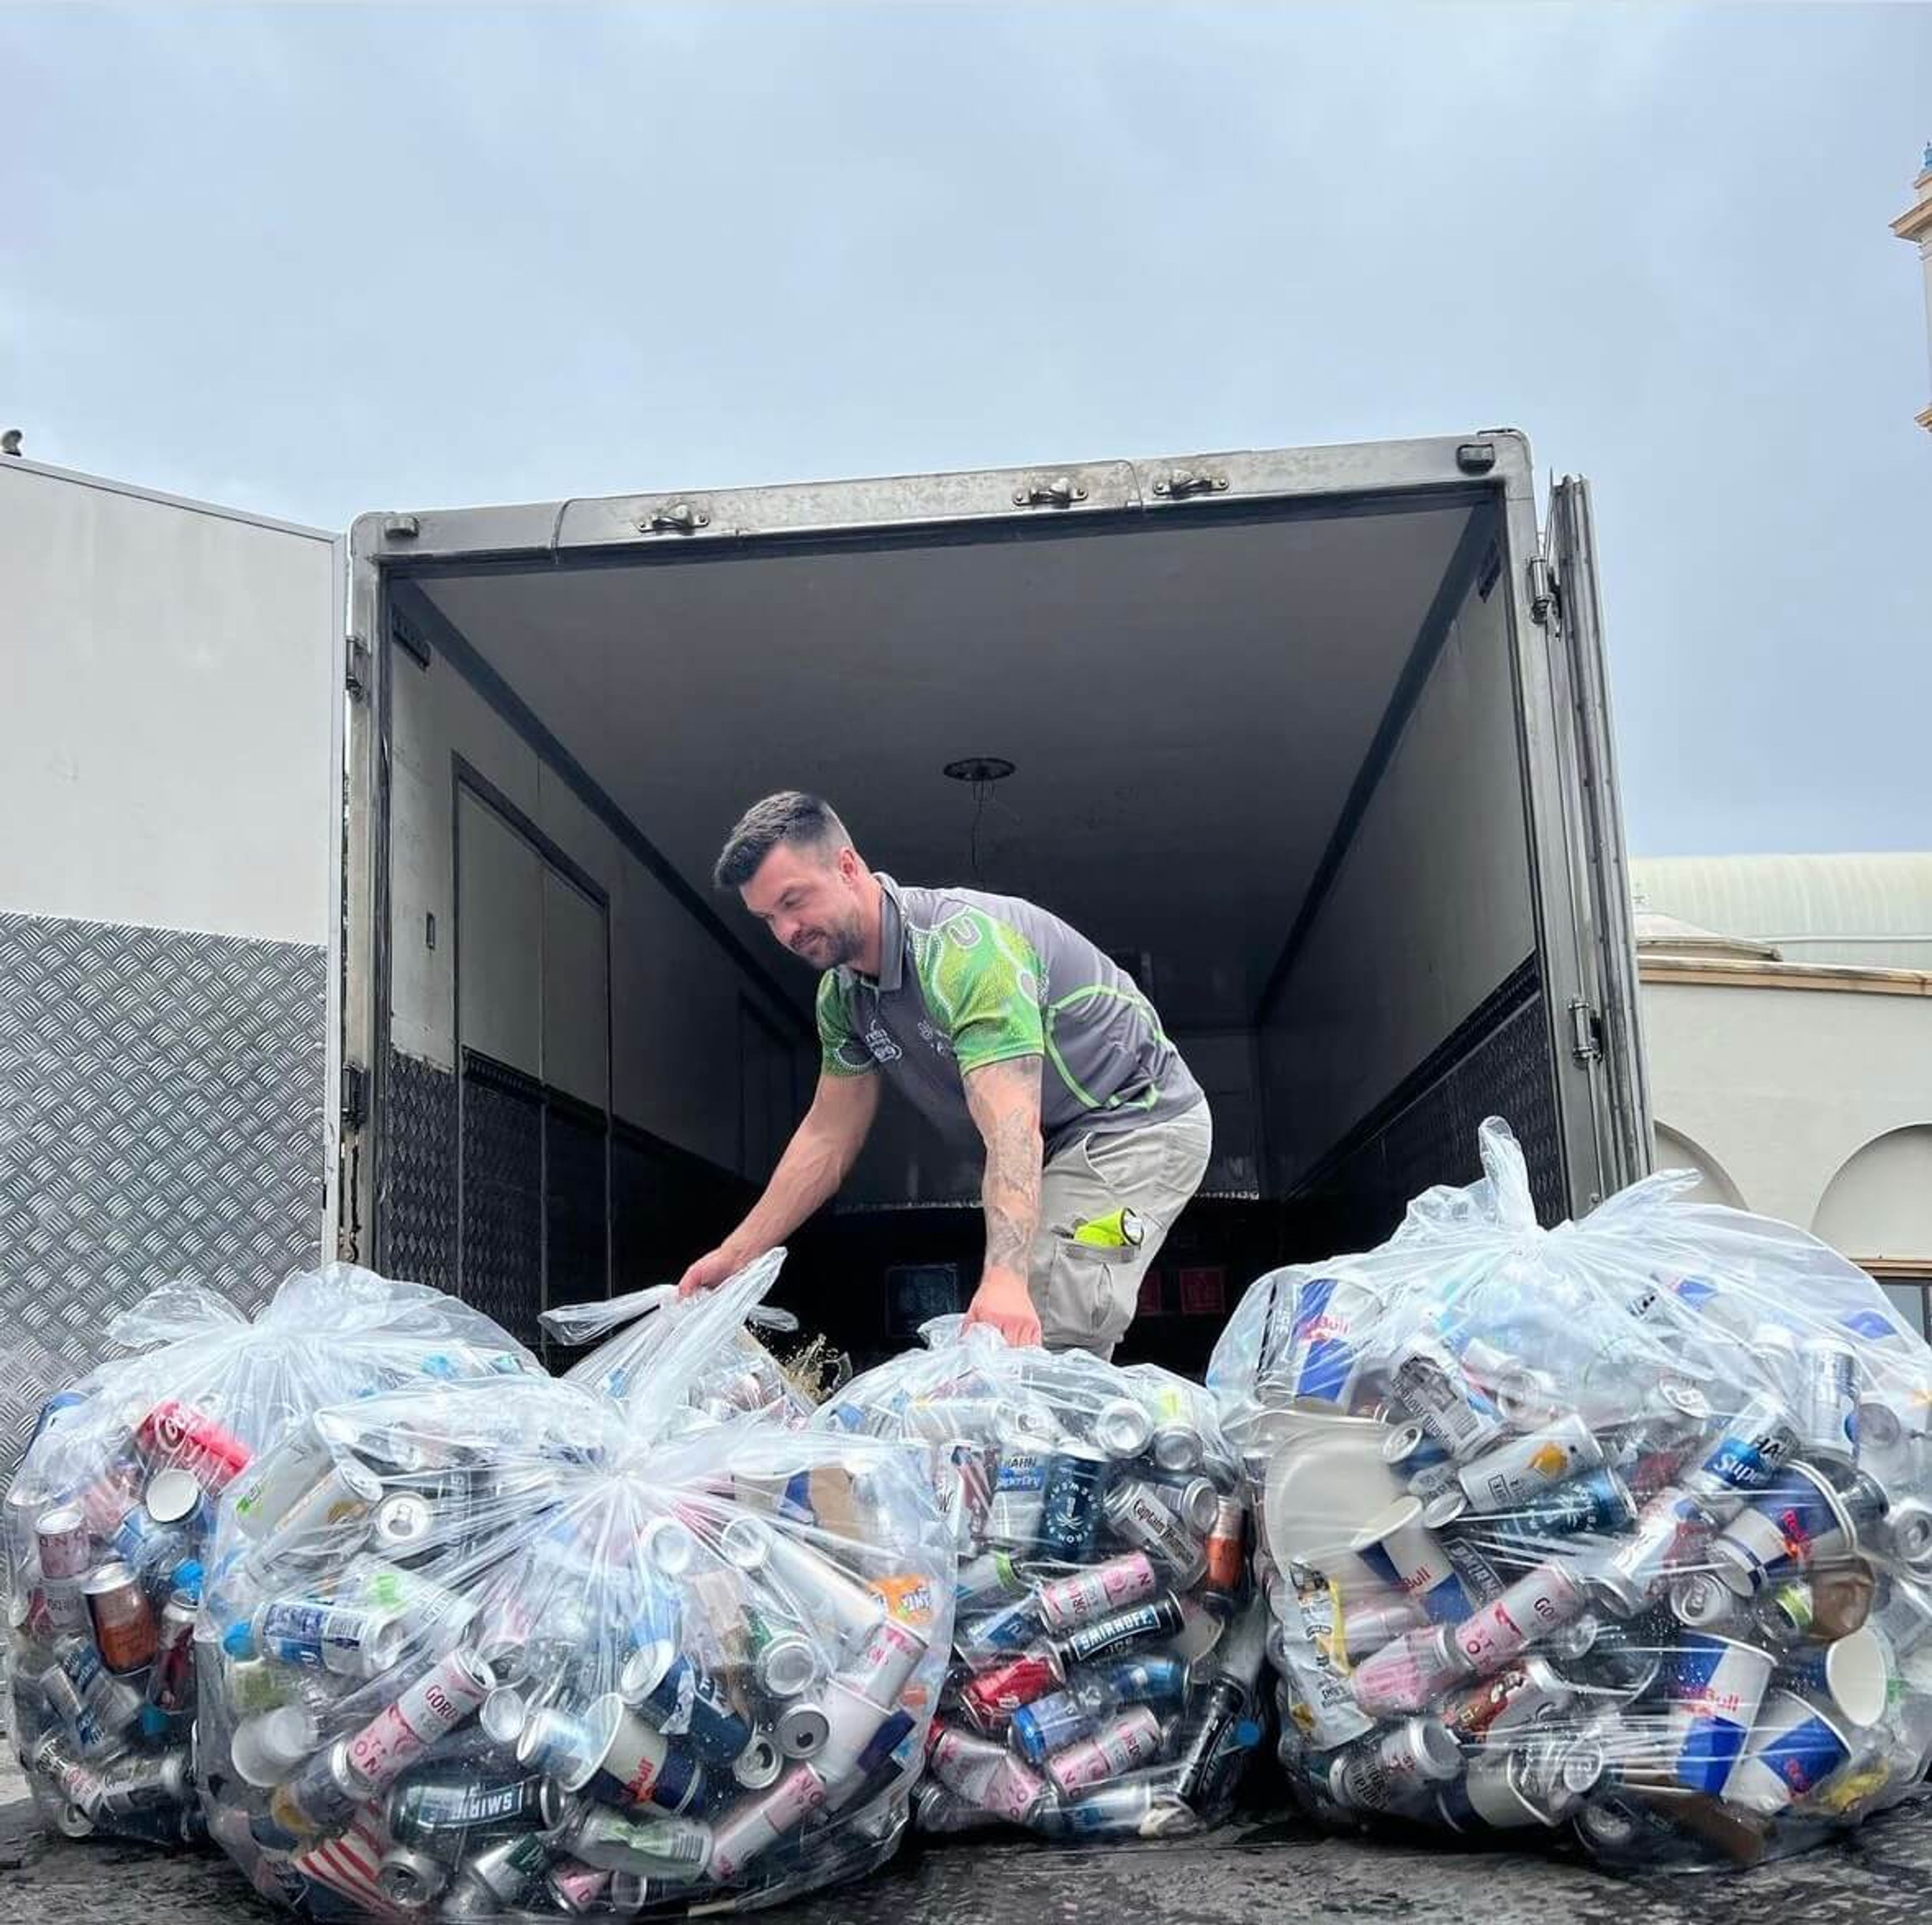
x,y
1715,1686
1143,1680
1051,1724
1598,1502
1324,1337
52,1411
1755,1445
712,1728
1012,1627
1070,1510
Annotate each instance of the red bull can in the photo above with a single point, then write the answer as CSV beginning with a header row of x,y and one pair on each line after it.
x,y
1332,1315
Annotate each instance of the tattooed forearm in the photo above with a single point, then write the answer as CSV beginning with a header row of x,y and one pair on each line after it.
x,y
1004,1100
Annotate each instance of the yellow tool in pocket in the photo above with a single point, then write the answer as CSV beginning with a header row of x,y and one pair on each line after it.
x,y
1121,1230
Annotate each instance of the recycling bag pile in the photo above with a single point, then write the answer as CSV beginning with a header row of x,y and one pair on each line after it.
x,y
1622,1527
1106,1656
558,1664
109,1516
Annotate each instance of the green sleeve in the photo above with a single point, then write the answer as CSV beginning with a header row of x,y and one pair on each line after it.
x,y
981,979
840,1052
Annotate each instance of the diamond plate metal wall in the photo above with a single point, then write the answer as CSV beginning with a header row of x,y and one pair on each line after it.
x,y
160,1115
503,1194
419,1173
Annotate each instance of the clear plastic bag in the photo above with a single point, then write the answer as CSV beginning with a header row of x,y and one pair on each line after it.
x,y
1107,1650
577,1656
687,1363
108,1517
1621,1527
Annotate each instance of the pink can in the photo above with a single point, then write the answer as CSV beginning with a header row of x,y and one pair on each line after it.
x,y
1123,1744
987,1776
1409,1673
1092,1594
887,1658
760,1822
430,1709
1543,1601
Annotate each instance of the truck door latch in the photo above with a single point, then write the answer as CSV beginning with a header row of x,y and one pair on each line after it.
x,y
1062,491
1586,1031
1542,591
1179,482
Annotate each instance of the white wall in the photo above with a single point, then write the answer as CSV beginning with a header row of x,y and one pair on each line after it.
x,y
1781,1089
172,701
1429,914
674,991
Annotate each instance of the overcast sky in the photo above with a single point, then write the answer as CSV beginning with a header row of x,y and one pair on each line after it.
x,y
313,261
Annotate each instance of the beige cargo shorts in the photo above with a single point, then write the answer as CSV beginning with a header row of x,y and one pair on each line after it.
x,y
1086,1295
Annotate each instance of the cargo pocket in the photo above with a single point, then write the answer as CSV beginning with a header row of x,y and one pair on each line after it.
x,y
1091,1292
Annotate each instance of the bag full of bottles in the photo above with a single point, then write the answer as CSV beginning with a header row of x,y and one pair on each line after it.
x,y
1106,1650
109,1516
574,1657
1621,1530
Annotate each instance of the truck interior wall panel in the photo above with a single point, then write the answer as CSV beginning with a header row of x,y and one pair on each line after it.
x,y
419,1219
501,1207
1429,910
163,1118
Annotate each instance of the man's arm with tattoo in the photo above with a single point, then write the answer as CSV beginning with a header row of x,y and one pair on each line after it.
x,y
1004,1100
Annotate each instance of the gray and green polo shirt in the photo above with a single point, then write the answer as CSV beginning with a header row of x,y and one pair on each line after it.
x,y
966,979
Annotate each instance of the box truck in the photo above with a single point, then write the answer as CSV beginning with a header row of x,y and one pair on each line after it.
x,y
1316,741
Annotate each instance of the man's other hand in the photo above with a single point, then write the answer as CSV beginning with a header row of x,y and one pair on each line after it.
x,y
1003,1301
709,1271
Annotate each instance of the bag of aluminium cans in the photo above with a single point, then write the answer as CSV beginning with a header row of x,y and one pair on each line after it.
x,y
109,1515
689,1362
575,1666
1621,1529
1106,1650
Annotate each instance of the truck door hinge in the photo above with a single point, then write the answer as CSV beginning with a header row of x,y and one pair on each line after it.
x,y
1586,1031
1543,594
1052,491
355,669
354,1095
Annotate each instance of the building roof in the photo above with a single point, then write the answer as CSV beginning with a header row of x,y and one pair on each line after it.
x,y
1870,910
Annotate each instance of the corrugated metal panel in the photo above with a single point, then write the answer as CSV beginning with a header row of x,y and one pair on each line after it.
x,y
1876,909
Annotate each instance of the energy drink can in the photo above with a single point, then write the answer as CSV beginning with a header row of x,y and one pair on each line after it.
x,y
1128,1740
429,1709
668,1688
1330,1317
1800,1520
1430,1384
987,1777
1138,1514
1088,1594
1152,1619
640,1760
1070,1515
1537,1604
64,1542
125,1631
757,1824
1511,1475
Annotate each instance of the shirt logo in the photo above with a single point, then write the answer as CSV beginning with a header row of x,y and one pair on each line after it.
x,y
883,1049
942,1045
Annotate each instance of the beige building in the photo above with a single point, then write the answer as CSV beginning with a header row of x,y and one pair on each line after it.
x,y
1915,224
1787,1010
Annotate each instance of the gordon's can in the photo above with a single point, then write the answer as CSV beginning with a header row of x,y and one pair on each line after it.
x,y
65,1544
1128,1740
884,1664
757,1824
1537,1604
987,1776
1092,1594
434,1706
1409,1673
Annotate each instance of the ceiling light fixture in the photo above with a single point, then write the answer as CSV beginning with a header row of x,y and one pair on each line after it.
x,y
978,768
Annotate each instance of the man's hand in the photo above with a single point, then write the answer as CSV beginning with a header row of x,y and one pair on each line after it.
x,y
1003,1301
710,1270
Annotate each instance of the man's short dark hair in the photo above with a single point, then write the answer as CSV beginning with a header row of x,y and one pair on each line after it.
x,y
806,822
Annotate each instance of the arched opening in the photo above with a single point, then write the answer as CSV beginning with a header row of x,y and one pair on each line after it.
x,y
1674,1150
1878,1206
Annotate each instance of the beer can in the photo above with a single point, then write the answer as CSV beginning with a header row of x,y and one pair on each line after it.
x,y
1828,1404
124,1632
1431,1385
1125,1742
1124,1429
1753,1446
1512,1474
1091,1593
64,1542
1138,1514
1070,1515
507,1873
438,1701
131,1788
1152,1619
647,1844
757,1824
1906,1536
1018,1487
64,1607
